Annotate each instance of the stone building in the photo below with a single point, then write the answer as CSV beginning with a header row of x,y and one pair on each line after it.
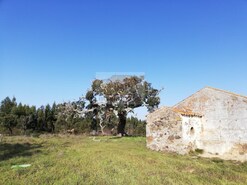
x,y
212,120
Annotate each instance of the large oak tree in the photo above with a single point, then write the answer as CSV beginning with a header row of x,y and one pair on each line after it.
x,y
121,96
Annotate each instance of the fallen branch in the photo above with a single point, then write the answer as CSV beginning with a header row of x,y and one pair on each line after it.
x,y
97,140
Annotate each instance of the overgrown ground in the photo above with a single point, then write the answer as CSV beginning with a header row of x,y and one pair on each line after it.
x,y
80,160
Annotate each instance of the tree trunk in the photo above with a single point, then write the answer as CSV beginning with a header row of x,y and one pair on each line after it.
x,y
52,128
10,130
122,122
102,128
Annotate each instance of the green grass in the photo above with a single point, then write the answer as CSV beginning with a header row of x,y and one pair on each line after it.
x,y
80,160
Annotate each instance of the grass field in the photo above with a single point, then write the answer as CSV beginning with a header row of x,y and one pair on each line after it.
x,y
81,160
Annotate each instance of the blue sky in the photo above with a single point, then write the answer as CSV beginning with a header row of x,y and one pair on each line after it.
x,y
52,50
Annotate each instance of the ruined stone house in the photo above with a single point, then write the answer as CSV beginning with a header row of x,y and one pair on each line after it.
x,y
212,120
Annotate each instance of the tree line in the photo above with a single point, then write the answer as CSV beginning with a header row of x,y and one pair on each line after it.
x,y
104,109
17,118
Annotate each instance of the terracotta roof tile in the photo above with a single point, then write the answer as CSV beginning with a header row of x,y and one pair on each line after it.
x,y
186,112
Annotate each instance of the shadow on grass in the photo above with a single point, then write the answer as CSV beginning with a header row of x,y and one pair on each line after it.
x,y
8,151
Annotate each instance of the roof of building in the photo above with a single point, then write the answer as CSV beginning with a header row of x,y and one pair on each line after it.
x,y
215,89
228,92
186,112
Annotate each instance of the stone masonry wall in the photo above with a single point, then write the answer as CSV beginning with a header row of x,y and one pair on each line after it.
x,y
164,131
224,122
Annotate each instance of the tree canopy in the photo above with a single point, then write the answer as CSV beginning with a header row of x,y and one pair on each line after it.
x,y
121,96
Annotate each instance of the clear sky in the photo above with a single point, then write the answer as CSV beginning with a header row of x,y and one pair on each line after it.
x,y
52,50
